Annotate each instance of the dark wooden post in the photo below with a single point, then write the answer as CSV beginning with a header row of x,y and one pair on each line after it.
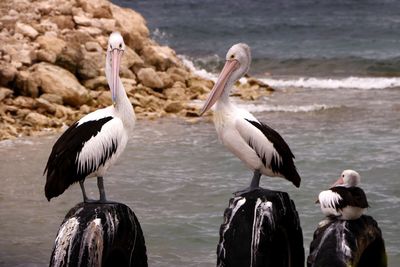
x,y
261,228
339,243
99,235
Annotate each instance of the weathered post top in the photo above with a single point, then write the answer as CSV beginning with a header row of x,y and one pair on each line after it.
x,y
342,243
94,234
261,228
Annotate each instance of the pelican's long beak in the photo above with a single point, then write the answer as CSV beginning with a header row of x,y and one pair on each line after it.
x,y
115,63
338,182
230,66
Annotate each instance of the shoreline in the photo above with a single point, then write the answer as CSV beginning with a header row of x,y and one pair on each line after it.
x,y
52,67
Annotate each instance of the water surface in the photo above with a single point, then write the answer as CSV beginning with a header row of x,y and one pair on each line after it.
x,y
178,178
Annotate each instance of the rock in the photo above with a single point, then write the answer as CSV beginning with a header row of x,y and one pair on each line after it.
x,y
261,228
69,59
149,77
90,66
4,93
63,112
7,73
132,26
45,105
63,21
108,25
52,98
162,57
100,235
166,79
48,28
37,119
26,30
85,109
105,98
93,31
196,81
175,93
339,243
98,83
46,56
173,106
25,102
178,72
102,12
82,20
93,47
26,84
130,59
199,89
55,80
129,84
51,44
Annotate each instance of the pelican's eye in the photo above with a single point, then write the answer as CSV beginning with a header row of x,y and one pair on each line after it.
x,y
343,175
120,45
232,56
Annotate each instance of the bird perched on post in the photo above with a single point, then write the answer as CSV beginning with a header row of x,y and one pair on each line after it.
x,y
344,200
93,144
259,146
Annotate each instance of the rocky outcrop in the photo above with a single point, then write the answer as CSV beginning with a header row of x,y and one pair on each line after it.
x,y
52,65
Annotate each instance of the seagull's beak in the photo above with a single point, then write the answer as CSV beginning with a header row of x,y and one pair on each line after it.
x,y
115,63
338,182
230,66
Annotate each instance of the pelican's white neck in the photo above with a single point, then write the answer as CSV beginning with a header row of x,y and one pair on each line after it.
x,y
122,104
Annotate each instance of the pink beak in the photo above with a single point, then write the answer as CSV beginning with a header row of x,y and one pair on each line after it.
x,y
230,66
338,182
115,64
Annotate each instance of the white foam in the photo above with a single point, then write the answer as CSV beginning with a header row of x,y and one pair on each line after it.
x,y
363,83
286,108
199,72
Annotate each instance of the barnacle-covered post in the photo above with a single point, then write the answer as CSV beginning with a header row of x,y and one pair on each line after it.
x,y
261,228
95,234
344,243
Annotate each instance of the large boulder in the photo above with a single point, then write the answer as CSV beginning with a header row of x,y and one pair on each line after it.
x,y
55,80
149,77
132,26
162,57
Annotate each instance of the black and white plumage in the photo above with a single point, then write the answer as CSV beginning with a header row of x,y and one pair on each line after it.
x,y
93,144
259,146
344,200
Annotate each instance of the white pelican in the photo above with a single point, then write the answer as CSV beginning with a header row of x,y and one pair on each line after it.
x,y
259,146
93,143
344,199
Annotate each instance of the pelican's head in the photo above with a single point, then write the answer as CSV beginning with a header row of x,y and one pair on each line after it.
x,y
115,50
349,178
237,64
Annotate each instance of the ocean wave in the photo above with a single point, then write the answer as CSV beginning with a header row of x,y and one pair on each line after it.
x,y
364,83
197,70
288,108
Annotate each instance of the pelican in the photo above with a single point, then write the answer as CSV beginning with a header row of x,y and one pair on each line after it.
x,y
344,200
93,144
259,146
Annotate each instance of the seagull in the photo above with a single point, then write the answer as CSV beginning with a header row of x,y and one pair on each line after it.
x,y
93,144
259,146
344,200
